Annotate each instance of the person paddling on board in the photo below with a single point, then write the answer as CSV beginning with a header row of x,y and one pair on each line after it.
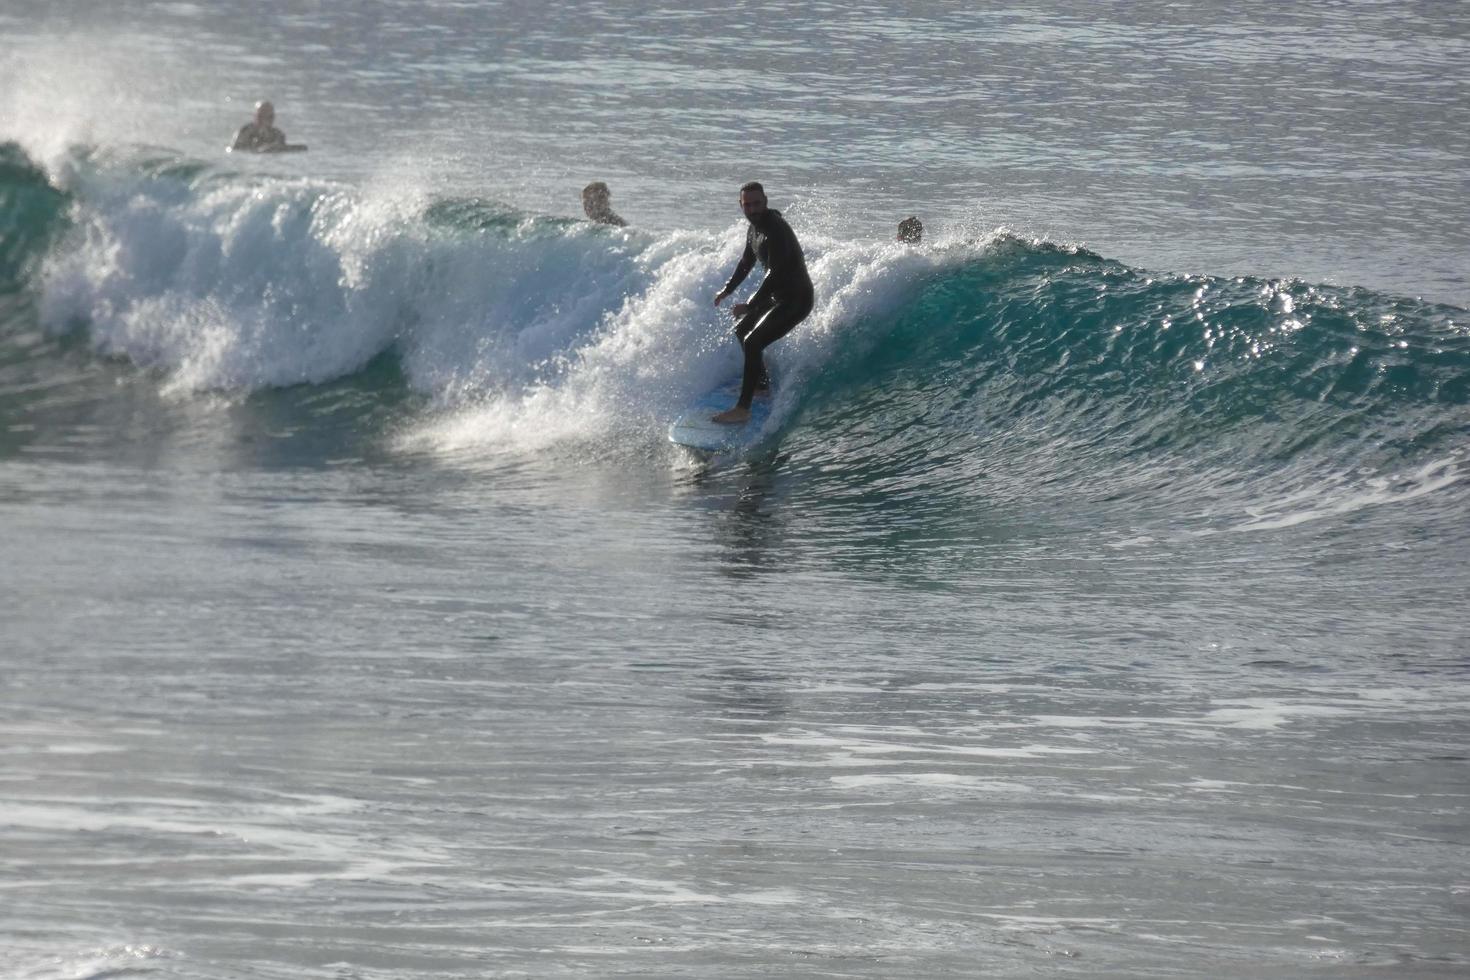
x,y
783,300
261,135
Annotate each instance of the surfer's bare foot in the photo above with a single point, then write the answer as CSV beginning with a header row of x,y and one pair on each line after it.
x,y
733,416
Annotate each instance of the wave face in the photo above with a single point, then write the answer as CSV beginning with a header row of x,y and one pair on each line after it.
x,y
1034,365
513,330
32,212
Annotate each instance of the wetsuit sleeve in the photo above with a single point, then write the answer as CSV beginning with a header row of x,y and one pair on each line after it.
x,y
747,262
786,268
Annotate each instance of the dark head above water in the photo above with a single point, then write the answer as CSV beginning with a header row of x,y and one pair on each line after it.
x,y
911,231
597,204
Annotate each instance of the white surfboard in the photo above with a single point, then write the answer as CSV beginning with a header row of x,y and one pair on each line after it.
x,y
283,148
696,429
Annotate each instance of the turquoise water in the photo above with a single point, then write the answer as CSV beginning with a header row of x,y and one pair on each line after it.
x,y
1093,604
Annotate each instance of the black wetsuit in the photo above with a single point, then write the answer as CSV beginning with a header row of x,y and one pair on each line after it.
x,y
783,300
605,216
259,139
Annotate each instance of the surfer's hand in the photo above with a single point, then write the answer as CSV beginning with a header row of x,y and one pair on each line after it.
x,y
739,309
720,297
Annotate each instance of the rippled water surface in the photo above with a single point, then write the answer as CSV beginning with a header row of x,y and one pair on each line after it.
x,y
390,726
1325,141
1085,612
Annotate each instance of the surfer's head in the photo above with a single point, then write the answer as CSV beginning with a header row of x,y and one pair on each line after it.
x,y
265,113
596,199
911,231
753,201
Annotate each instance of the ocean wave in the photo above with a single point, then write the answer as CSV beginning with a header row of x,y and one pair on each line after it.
x,y
520,330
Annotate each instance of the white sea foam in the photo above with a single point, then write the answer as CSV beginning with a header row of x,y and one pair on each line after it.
x,y
930,780
1342,494
655,342
266,833
521,336
873,747
1264,714
233,285
89,88
121,959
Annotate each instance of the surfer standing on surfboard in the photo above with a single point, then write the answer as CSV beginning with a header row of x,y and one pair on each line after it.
x,y
783,300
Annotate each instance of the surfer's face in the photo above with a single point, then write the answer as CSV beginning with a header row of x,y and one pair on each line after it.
x,y
753,203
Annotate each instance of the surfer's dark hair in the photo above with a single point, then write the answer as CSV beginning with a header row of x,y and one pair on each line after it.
x,y
753,185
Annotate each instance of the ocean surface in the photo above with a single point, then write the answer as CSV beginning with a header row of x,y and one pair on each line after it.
x,y
1096,602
